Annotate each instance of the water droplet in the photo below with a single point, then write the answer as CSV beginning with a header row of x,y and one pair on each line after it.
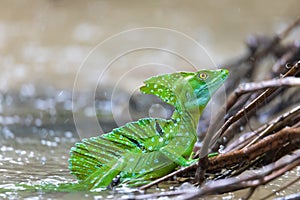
x,y
38,122
68,134
8,134
68,105
57,139
221,148
43,160
31,154
187,186
27,90
90,112
5,148
298,171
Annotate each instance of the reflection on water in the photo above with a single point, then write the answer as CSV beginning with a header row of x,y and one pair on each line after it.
x,y
43,45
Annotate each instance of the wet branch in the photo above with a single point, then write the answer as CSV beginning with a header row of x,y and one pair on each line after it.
x,y
253,104
251,155
259,177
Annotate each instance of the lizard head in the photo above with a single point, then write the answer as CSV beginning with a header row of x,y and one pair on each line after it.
x,y
186,90
202,85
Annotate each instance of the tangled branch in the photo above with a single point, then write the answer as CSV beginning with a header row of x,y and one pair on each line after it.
x,y
250,157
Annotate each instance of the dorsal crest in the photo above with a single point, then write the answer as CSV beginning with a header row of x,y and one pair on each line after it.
x,y
164,86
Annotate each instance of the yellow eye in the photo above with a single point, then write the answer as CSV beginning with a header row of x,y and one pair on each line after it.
x,y
203,76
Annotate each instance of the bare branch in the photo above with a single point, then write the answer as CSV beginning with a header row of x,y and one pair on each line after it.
x,y
255,178
253,104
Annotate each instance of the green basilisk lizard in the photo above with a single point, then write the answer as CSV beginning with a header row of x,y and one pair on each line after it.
x,y
148,148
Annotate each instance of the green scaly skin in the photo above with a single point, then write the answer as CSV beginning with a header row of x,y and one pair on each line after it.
x,y
149,148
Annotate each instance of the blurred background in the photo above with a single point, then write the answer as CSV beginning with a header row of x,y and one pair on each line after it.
x,y
51,47
45,44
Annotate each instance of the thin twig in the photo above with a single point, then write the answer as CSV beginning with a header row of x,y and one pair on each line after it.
x,y
269,143
144,187
252,87
249,193
258,177
254,103
272,125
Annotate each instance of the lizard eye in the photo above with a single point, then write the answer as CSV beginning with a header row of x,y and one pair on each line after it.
x,y
203,76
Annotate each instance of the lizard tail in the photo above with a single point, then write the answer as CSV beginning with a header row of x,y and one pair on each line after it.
x,y
97,160
91,155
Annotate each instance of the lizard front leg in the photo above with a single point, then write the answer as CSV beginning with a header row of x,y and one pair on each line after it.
x,y
179,148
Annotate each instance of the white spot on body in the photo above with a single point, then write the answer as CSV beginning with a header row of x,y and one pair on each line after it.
x,y
161,139
188,95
